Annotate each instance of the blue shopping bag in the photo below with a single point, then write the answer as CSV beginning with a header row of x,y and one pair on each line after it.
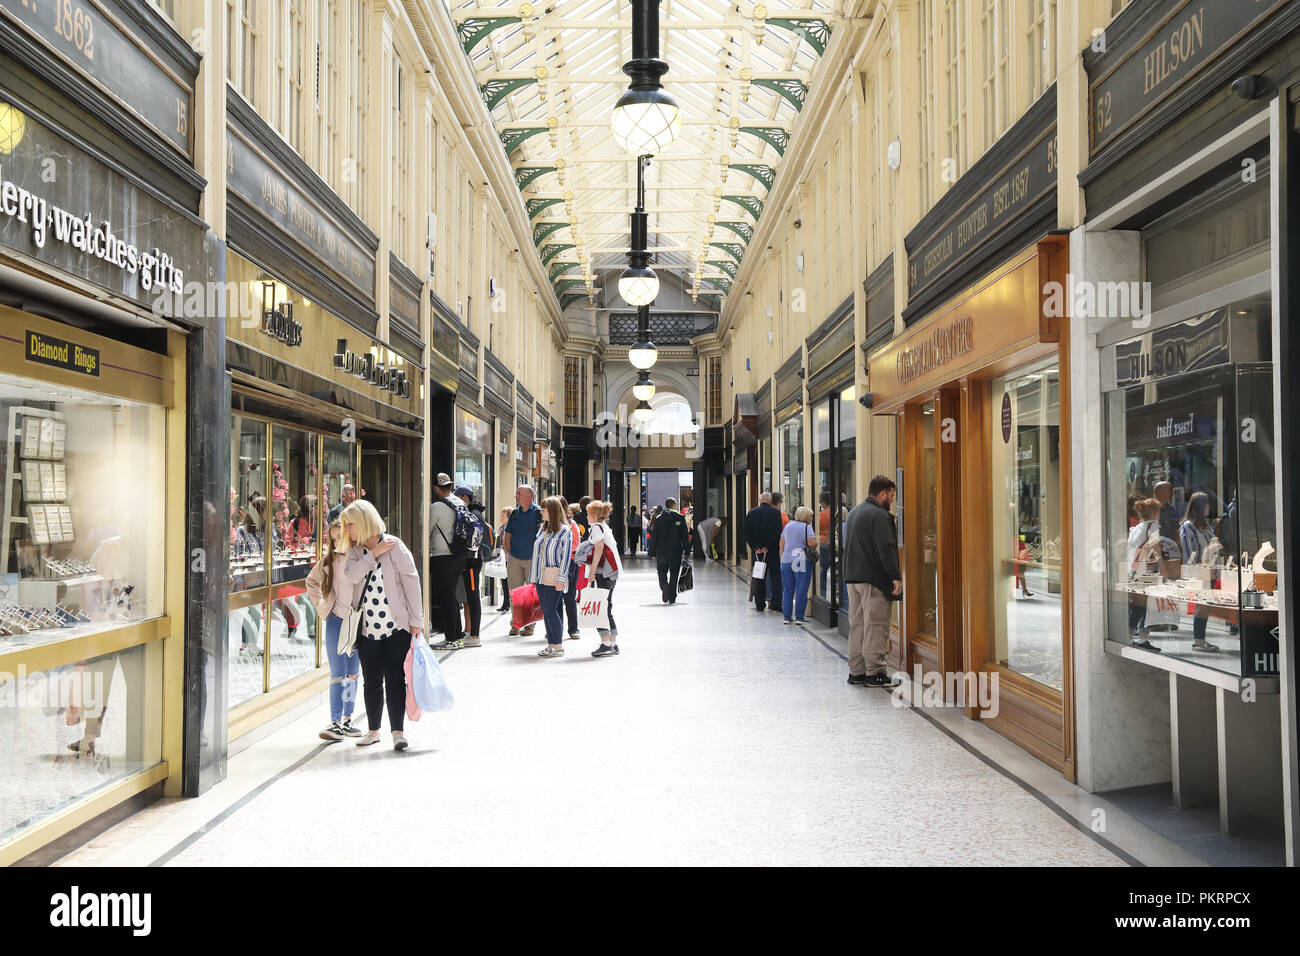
x,y
431,690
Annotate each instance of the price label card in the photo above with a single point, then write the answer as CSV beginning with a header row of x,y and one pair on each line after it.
x,y
31,481
60,481
47,482
65,523
31,437
58,438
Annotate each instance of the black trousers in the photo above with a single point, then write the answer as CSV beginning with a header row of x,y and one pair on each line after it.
x,y
768,590
571,598
383,670
472,576
669,570
445,571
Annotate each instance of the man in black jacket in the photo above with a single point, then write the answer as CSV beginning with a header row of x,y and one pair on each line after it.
x,y
874,579
763,534
671,540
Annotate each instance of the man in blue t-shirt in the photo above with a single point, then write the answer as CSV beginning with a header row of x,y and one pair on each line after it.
x,y
517,540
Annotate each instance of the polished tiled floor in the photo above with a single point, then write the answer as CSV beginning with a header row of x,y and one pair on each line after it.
x,y
718,736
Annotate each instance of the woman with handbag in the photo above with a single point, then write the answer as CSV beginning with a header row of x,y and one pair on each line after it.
x,y
798,540
332,595
604,570
382,567
552,557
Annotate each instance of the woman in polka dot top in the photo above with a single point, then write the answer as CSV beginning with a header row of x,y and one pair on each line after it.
x,y
384,570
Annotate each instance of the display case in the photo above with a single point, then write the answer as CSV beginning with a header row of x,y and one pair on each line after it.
x,y
1190,492
81,533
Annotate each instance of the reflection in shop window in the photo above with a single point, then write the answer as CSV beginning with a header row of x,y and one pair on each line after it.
x,y
1026,522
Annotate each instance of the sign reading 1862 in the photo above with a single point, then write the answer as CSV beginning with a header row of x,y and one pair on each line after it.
x,y
62,354
1188,38
97,45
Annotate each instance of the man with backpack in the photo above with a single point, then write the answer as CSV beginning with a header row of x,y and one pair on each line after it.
x,y
449,546
472,576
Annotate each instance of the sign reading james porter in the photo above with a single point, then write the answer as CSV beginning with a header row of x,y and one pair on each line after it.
x,y
1190,36
281,201
98,46
1030,176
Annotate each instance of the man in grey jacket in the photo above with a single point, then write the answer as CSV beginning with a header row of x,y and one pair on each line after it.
x,y
874,579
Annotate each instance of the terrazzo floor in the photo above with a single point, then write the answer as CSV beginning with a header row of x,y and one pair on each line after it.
x,y
717,736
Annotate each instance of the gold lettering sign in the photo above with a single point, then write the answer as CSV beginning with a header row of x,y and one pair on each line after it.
x,y
947,342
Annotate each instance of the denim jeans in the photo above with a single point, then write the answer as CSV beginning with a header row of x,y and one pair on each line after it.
x,y
794,590
344,671
552,613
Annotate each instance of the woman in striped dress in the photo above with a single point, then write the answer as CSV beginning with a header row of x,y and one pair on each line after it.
x,y
552,555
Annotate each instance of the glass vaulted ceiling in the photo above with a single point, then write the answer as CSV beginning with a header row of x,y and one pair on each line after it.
x,y
551,72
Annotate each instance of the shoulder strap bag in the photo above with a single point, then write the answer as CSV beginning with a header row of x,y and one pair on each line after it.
x,y
351,628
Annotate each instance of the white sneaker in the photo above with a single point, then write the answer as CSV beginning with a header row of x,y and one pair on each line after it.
x,y
551,650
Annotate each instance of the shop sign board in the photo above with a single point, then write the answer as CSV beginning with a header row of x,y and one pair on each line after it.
x,y
473,432
62,354
98,46
1030,176
282,201
1006,418
1190,36
1194,345
997,318
67,210
367,368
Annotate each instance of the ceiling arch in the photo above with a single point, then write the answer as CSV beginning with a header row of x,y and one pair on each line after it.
x,y
550,72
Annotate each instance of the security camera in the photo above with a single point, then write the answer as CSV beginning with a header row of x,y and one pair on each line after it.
x,y
798,223
866,399
1249,87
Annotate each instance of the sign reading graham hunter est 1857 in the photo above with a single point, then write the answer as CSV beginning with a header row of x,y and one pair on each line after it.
x,y
1030,176
99,47
1190,36
59,353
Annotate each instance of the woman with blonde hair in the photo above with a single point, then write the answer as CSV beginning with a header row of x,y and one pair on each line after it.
x,y
332,594
383,568
798,539
552,557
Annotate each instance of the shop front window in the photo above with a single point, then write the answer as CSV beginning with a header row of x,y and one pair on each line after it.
x,y
846,461
927,514
1190,504
50,761
824,466
248,511
1026,523
82,533
292,626
791,485
338,479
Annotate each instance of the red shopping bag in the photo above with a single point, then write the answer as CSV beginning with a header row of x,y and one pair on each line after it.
x,y
525,606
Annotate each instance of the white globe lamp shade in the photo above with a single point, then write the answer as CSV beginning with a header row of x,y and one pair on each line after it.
x,y
638,286
644,389
646,122
641,414
642,355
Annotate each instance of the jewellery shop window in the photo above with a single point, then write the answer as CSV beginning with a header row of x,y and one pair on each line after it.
x,y
82,536
286,485
1190,495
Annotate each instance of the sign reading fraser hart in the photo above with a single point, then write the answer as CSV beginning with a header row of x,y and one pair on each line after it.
x,y
947,342
62,354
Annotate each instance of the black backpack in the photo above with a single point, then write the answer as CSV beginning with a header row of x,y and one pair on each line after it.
x,y
466,533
